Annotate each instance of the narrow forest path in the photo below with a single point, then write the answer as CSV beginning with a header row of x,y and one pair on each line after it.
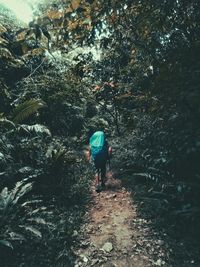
x,y
114,235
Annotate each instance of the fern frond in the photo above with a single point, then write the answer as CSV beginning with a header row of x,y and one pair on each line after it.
x,y
7,123
36,128
59,154
16,236
22,191
2,157
6,243
32,230
9,199
38,220
31,202
27,108
3,198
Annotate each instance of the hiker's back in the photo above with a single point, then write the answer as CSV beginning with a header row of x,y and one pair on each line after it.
x,y
99,148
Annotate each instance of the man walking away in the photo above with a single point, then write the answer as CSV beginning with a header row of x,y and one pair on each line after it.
x,y
99,152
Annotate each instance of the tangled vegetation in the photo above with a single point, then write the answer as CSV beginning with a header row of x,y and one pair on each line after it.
x,y
130,67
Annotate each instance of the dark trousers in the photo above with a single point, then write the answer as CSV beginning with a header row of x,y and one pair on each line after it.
x,y
100,167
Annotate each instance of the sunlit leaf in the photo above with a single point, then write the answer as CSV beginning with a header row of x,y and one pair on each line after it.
x,y
6,243
33,231
36,128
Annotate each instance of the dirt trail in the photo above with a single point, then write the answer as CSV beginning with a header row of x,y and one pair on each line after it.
x,y
109,236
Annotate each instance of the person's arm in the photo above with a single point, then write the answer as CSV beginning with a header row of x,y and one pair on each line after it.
x,y
110,151
89,154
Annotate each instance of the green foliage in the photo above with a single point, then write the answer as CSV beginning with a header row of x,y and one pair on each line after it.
x,y
36,128
7,124
5,97
14,217
9,200
146,85
26,109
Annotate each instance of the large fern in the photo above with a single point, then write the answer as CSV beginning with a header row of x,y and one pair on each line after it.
x,y
8,199
27,108
6,124
13,226
36,128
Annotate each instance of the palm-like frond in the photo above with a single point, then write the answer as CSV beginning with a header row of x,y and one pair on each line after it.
x,y
26,109
8,199
3,198
29,225
6,243
2,157
7,124
32,230
36,128
22,190
59,155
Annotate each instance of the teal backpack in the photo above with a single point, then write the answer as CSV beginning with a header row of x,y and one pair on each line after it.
x,y
98,145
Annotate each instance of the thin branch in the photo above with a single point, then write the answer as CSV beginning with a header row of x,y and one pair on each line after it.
x,y
36,68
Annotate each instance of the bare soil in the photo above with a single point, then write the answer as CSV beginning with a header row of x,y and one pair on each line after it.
x,y
114,234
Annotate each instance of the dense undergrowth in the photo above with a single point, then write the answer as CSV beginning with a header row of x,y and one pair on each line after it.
x,y
44,177
144,88
45,184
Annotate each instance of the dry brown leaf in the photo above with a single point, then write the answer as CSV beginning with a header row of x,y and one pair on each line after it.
x,y
54,14
68,10
73,25
75,4
24,48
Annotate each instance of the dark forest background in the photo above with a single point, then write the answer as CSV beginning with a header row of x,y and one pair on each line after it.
x,y
130,68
